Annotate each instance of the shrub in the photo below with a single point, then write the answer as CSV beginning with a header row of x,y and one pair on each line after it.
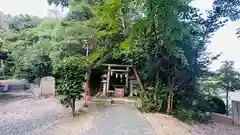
x,y
184,114
197,111
217,105
189,114
202,104
203,117
70,75
155,100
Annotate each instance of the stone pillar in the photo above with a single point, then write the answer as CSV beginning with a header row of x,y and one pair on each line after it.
x,y
104,87
131,88
127,78
47,86
108,78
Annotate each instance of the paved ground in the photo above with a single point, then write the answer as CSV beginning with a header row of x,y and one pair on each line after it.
x,y
120,120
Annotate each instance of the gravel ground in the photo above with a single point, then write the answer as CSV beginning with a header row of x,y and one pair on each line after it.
x,y
41,116
167,125
48,117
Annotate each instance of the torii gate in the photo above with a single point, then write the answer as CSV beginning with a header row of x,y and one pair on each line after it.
x,y
126,71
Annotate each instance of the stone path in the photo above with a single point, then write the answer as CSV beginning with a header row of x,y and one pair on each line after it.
x,y
120,120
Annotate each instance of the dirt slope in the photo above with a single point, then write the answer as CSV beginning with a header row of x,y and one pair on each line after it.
x,y
167,125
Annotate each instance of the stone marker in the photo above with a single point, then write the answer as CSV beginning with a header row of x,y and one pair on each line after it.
x,y
47,86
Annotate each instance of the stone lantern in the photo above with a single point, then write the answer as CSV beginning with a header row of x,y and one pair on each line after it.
x,y
104,82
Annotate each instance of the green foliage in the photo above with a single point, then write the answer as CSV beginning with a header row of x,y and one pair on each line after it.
x,y
70,75
4,23
154,101
63,3
22,22
18,40
210,86
217,105
184,114
227,9
164,40
229,76
40,66
199,111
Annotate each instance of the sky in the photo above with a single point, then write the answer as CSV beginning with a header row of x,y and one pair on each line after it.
x,y
224,40
34,7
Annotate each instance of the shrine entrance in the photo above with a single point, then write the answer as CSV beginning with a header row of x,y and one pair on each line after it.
x,y
115,80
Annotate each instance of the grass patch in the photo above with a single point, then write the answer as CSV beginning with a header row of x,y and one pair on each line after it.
x,y
4,96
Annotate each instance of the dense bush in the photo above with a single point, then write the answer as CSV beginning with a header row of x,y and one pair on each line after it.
x,y
70,75
202,104
198,111
38,67
217,105
154,100
184,114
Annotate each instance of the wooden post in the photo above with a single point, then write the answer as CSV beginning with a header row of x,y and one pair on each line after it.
x,y
139,81
127,78
87,77
131,88
108,78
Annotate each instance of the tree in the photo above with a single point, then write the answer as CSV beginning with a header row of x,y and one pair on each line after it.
x,y
28,48
70,75
227,9
169,37
210,86
229,78
63,3
170,49
164,40
20,22
4,21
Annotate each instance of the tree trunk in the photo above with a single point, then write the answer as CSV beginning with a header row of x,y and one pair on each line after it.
x,y
73,107
170,95
139,81
227,104
86,91
170,102
157,79
171,105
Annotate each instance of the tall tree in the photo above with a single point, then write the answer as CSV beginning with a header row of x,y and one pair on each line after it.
x,y
164,40
229,78
227,9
